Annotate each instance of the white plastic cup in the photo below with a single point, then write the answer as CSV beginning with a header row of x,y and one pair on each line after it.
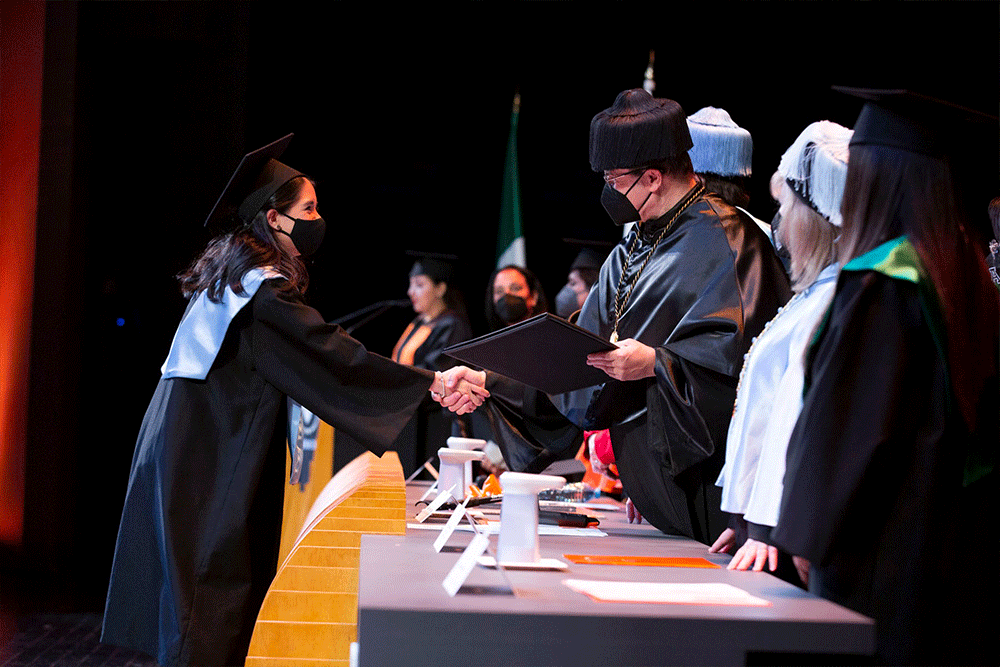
x,y
455,442
452,473
518,541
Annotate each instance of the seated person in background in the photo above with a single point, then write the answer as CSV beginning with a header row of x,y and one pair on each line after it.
x,y
809,186
583,274
440,322
513,294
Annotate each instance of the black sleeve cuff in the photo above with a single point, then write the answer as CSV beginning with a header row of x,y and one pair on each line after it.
x,y
759,532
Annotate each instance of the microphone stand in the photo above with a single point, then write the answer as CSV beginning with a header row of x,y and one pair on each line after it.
x,y
370,312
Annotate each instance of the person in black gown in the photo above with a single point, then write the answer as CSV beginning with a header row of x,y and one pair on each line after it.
x,y
440,322
681,296
890,499
513,294
583,274
198,542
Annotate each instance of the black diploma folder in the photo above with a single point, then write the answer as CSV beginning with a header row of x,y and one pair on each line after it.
x,y
545,352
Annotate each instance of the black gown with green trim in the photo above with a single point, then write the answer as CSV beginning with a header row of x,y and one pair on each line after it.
x,y
874,495
198,543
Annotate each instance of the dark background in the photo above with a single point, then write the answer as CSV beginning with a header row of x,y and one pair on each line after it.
x,y
402,118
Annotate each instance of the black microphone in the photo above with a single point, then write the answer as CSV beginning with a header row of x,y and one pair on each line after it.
x,y
372,311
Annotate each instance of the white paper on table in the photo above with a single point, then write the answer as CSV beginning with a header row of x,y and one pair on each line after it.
x,y
665,593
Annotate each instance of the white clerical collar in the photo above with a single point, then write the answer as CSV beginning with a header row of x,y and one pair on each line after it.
x,y
831,272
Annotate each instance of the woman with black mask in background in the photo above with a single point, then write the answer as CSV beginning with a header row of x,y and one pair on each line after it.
x,y
513,295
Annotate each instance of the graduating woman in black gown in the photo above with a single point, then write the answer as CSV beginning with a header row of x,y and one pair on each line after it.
x,y
890,489
198,542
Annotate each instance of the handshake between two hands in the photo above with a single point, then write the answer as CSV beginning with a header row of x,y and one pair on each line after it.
x,y
460,389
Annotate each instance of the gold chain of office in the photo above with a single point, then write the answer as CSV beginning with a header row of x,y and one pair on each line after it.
x,y
619,303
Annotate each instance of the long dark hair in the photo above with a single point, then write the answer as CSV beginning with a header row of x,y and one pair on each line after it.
x,y
228,257
732,189
455,301
891,192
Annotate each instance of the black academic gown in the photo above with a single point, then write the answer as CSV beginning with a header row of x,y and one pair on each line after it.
x,y
873,490
709,288
429,432
198,543
446,329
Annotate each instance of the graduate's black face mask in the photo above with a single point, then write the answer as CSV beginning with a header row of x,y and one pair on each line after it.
x,y
511,308
306,235
617,204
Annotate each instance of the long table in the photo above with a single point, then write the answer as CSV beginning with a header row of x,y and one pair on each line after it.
x,y
405,617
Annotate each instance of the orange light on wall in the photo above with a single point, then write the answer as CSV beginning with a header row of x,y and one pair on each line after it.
x,y
22,35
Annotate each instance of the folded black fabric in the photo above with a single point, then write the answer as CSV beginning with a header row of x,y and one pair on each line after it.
x,y
545,352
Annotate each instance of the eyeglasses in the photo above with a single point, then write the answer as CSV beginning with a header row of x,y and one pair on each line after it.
x,y
612,180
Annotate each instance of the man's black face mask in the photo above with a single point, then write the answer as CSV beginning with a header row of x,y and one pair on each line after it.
x,y
618,206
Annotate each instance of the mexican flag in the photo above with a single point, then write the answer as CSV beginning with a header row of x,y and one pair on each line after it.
x,y
510,239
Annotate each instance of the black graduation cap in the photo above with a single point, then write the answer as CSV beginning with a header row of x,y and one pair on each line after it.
x,y
258,176
912,122
592,253
439,267
588,258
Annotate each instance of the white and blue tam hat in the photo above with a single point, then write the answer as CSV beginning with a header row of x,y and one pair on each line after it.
x,y
720,145
815,167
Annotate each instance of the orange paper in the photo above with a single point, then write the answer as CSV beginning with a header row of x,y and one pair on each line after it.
x,y
650,561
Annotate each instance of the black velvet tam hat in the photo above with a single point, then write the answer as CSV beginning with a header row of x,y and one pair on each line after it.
x,y
637,130
913,122
256,179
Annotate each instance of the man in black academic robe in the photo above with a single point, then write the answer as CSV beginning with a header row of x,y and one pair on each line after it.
x,y
684,293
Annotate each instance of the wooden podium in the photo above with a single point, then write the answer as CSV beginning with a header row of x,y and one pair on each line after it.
x,y
310,614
